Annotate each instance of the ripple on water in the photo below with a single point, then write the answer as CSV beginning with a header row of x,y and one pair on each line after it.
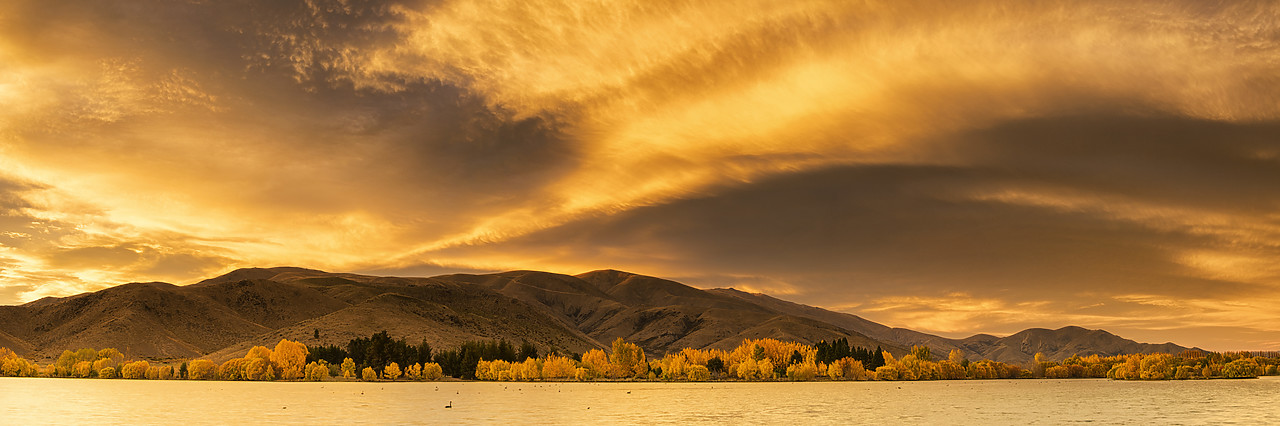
x,y
973,402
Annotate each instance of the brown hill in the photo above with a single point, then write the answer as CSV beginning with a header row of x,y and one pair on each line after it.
x,y
658,315
140,319
1059,344
1019,348
223,317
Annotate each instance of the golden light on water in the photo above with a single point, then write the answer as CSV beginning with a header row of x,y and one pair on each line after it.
x,y
1038,156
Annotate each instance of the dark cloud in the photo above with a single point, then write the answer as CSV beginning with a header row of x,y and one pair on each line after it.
x,y
855,235
1168,160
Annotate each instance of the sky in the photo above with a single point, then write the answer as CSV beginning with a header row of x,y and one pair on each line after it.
x,y
950,167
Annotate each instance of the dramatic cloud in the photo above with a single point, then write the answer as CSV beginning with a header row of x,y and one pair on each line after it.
x,y
965,167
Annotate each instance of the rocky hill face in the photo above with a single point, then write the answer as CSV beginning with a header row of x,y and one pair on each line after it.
x,y
224,316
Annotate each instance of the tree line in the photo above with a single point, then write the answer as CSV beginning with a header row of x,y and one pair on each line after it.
x,y
380,350
380,357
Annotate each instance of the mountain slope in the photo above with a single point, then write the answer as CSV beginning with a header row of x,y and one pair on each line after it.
x,y
223,317
1019,348
658,315
1059,344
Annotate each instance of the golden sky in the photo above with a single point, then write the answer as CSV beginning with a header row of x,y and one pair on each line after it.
x,y
951,167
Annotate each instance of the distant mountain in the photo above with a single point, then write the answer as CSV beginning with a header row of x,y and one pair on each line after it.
x,y
1018,348
223,317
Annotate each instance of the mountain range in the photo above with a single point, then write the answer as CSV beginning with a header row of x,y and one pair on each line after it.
x,y
223,317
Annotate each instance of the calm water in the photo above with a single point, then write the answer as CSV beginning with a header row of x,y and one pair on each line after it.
x,y
64,401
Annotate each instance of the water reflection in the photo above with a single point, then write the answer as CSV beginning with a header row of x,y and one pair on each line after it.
x,y
63,401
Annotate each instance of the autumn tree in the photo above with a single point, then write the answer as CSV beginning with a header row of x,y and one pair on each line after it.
x,y
530,369
368,374
673,367
86,355
135,370
922,353
348,368
201,369
804,371
627,360
317,371
232,369
259,352
257,368
1242,368
14,366
557,367
768,371
107,373
748,369
160,372
846,369
109,357
392,371
698,373
595,362
67,360
291,357
413,372
83,369
432,371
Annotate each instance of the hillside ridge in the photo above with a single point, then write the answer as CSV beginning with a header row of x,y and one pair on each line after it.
x,y
225,315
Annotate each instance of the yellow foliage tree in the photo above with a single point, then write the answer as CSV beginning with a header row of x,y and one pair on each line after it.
x,y
160,372
747,370
494,370
627,360
557,367
767,371
368,374
698,373
109,357
259,369
62,367
674,367
201,369
317,371
259,352
949,370
348,368
233,369
391,371
846,369
802,372
10,366
291,357
107,373
414,372
82,369
1242,368
1157,367
432,371
530,369
135,370
922,353
596,362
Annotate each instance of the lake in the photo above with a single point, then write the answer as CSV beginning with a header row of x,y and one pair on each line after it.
x,y
85,401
